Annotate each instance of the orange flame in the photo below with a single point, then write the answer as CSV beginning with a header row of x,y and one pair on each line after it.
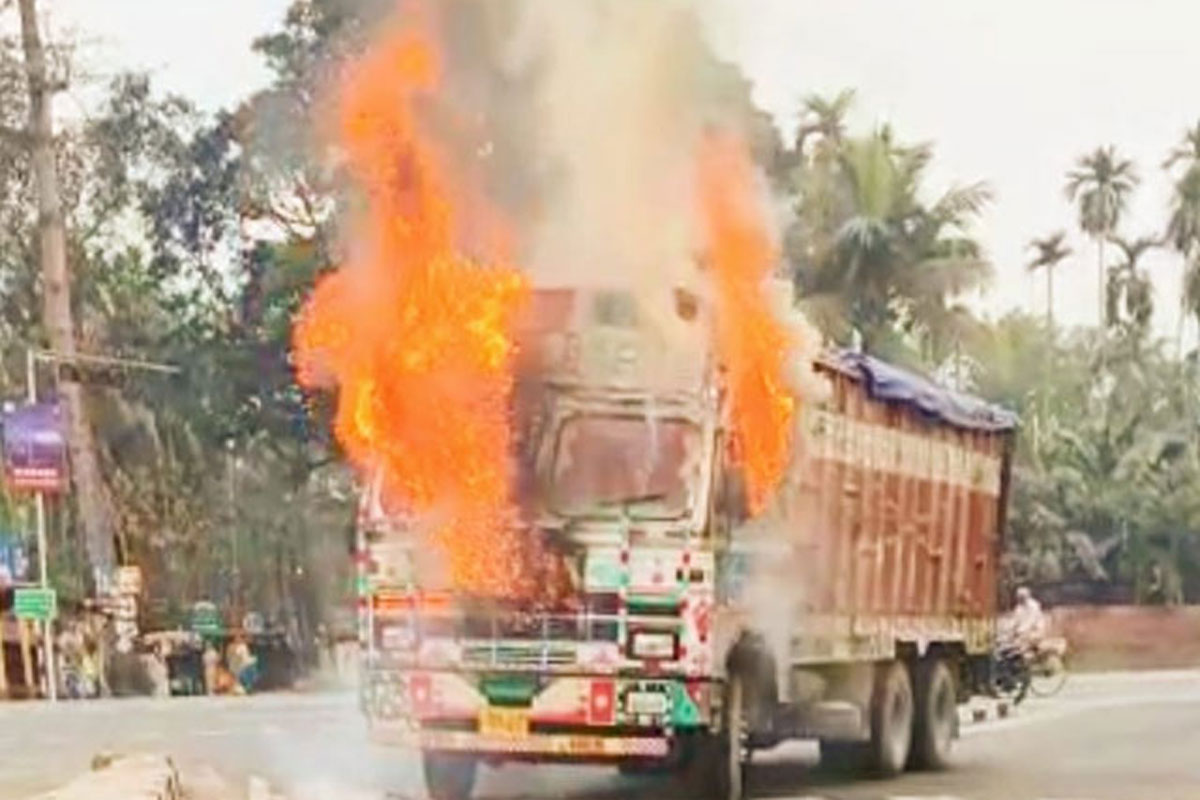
x,y
414,333
752,343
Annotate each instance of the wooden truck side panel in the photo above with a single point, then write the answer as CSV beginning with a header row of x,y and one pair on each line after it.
x,y
895,521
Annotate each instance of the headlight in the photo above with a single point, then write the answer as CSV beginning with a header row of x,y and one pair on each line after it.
x,y
652,645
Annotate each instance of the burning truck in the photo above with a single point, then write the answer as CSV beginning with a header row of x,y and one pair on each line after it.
x,y
684,633
611,523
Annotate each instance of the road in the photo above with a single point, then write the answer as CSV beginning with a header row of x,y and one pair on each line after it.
x,y
1119,736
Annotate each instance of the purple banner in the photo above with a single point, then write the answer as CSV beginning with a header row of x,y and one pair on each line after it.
x,y
35,448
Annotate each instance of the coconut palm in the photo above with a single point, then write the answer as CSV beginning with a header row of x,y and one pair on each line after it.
x,y
824,117
1050,250
1129,298
1101,184
1187,151
1183,226
893,263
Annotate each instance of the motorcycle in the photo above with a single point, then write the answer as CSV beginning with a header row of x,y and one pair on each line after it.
x,y
1019,671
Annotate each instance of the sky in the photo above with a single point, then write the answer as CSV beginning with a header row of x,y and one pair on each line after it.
x,y
1008,91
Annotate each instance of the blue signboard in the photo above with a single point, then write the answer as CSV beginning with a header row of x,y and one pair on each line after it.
x,y
35,448
14,561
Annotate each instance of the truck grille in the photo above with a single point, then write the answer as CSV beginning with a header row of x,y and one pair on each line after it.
x,y
518,654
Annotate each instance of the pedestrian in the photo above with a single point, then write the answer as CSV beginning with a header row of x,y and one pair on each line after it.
x,y
160,677
243,665
212,663
90,670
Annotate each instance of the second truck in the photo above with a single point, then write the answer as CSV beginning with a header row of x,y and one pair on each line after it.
x,y
857,610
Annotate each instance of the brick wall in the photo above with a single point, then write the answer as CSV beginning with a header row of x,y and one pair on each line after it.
x,y
1129,637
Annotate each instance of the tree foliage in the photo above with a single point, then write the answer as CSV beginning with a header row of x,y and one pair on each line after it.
x,y
868,255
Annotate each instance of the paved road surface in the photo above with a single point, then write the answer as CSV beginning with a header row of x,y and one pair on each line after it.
x,y
1107,737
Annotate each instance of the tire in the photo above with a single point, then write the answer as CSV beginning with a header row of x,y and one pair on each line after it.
x,y
891,720
843,758
733,751
715,768
936,716
1048,676
449,776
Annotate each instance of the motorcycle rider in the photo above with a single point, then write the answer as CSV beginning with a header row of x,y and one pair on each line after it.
x,y
1026,625
1029,620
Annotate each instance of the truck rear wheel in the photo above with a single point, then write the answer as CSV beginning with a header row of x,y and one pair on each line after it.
x,y
891,720
449,776
936,715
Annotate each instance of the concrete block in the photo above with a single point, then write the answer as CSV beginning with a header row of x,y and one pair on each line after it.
x,y
142,777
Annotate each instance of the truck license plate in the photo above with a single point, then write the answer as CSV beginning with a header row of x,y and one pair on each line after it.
x,y
654,703
509,723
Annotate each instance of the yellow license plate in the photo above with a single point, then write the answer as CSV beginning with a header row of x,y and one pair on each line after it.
x,y
507,722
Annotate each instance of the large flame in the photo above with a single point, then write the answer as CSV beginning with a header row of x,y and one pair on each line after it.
x,y
752,342
414,332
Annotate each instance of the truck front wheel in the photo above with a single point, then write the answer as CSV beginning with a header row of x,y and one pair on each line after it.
x,y
891,719
936,715
449,776
715,763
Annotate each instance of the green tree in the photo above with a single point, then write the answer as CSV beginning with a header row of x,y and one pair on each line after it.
x,y
1050,250
869,256
1100,184
1183,225
1129,295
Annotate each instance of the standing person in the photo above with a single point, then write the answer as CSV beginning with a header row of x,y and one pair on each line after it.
x,y
90,671
70,654
212,663
160,673
243,665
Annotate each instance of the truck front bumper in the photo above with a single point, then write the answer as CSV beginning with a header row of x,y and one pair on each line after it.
x,y
567,747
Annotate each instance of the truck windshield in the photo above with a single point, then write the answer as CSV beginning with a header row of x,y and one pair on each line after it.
x,y
607,465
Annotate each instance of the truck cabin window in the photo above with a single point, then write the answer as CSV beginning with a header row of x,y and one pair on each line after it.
x,y
608,465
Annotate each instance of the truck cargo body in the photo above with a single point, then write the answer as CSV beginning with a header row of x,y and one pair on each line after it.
x,y
857,608
892,514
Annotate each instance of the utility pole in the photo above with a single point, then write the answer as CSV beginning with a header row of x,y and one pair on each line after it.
x,y
39,500
32,358
56,293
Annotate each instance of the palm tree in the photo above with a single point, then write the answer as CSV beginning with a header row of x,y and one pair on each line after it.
x,y
1183,226
1101,183
892,260
1050,251
824,117
1187,151
1129,286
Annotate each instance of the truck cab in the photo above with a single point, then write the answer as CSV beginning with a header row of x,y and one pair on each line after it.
x,y
616,455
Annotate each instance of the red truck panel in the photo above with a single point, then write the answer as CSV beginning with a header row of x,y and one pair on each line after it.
x,y
896,516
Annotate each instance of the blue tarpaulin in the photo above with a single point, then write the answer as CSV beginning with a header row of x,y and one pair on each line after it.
x,y
891,384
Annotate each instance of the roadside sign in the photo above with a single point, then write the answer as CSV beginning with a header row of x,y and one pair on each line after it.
x,y
35,603
14,561
254,624
206,619
35,448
